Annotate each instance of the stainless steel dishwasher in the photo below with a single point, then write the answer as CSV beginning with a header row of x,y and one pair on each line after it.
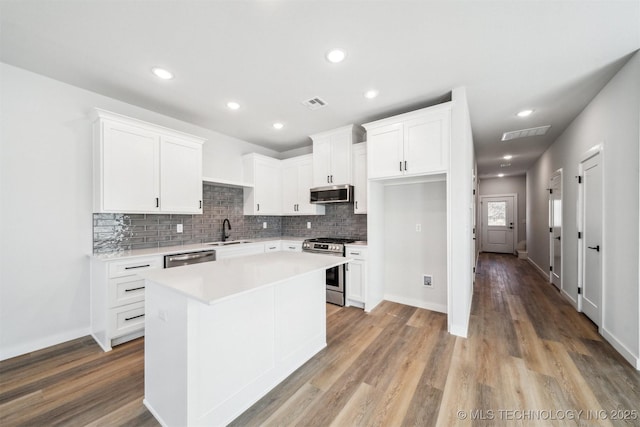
x,y
187,258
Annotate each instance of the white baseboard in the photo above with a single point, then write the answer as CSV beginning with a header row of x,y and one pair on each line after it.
x,y
620,348
39,344
544,273
441,308
154,413
569,299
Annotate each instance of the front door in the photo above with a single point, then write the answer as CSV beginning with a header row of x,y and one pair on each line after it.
x,y
497,224
555,229
592,238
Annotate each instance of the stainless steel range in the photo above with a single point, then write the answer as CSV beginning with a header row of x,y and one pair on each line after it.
x,y
336,275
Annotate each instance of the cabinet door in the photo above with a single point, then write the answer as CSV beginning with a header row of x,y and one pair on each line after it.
x,y
130,174
385,151
180,176
305,182
355,280
341,145
426,148
322,162
290,189
268,187
360,178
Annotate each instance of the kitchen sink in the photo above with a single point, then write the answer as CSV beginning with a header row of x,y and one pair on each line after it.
x,y
231,242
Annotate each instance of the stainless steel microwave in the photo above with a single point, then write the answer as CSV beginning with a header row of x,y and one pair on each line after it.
x,y
332,194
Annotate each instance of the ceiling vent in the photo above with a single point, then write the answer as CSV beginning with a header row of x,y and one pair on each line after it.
x,y
505,165
523,133
315,103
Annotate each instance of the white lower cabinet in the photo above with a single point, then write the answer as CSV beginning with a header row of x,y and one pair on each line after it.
x,y
117,299
291,246
356,283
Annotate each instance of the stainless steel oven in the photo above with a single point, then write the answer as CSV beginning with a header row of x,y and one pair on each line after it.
x,y
335,276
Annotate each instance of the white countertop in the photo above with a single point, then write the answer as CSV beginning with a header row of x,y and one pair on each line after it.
x,y
176,249
211,282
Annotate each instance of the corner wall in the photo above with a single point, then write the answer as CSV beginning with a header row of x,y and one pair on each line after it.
x,y
611,119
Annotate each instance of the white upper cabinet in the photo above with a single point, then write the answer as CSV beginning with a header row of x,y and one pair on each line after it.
x,y
264,173
180,175
139,167
360,178
415,143
297,180
332,155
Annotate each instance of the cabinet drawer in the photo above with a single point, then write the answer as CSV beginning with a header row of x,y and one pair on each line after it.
x,y
292,246
356,253
132,266
125,290
126,319
272,246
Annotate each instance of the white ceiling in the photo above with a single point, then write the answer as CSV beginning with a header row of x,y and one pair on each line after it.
x,y
552,56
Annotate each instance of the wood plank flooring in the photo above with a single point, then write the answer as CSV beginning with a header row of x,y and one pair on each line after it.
x,y
530,359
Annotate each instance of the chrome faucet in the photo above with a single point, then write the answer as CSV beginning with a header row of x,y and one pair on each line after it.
x,y
225,236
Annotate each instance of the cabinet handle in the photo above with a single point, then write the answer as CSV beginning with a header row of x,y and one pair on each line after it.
x,y
200,204
292,247
272,247
356,205
137,266
328,181
258,207
332,179
400,166
405,165
134,289
126,319
157,202
354,253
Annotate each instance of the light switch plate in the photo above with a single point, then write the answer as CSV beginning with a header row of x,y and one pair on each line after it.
x,y
308,224
264,224
179,228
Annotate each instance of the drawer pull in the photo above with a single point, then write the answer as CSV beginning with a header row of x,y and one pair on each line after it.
x,y
134,289
126,319
354,253
292,248
137,266
272,247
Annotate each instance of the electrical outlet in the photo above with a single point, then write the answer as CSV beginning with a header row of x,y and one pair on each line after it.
x,y
418,227
308,224
179,228
427,280
264,224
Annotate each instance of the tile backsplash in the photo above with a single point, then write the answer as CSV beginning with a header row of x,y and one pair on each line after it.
x,y
123,231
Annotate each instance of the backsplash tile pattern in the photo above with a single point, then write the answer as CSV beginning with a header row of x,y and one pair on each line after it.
x,y
122,231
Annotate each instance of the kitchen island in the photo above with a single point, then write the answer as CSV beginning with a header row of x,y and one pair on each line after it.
x,y
220,335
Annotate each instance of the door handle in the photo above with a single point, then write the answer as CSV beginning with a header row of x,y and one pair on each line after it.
x,y
596,248
558,238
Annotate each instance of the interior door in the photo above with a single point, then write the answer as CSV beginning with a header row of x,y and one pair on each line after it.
x,y
592,239
555,229
497,224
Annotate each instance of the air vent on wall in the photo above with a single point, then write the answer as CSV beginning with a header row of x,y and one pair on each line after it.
x,y
523,133
315,103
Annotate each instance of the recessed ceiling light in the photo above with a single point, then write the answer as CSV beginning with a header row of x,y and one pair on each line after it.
x,y
336,55
508,157
233,105
525,113
500,175
278,125
162,73
370,94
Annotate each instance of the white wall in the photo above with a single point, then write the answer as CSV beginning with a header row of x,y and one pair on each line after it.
x,y
408,253
508,185
611,118
460,205
45,203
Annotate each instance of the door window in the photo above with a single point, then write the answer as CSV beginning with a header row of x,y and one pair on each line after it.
x,y
497,214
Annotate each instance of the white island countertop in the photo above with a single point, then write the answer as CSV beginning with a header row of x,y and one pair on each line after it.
x,y
212,282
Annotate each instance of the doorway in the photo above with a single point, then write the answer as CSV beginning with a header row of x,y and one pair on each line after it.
x,y
590,249
498,217
555,229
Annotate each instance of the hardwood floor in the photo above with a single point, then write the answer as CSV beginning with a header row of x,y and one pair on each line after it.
x,y
530,359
